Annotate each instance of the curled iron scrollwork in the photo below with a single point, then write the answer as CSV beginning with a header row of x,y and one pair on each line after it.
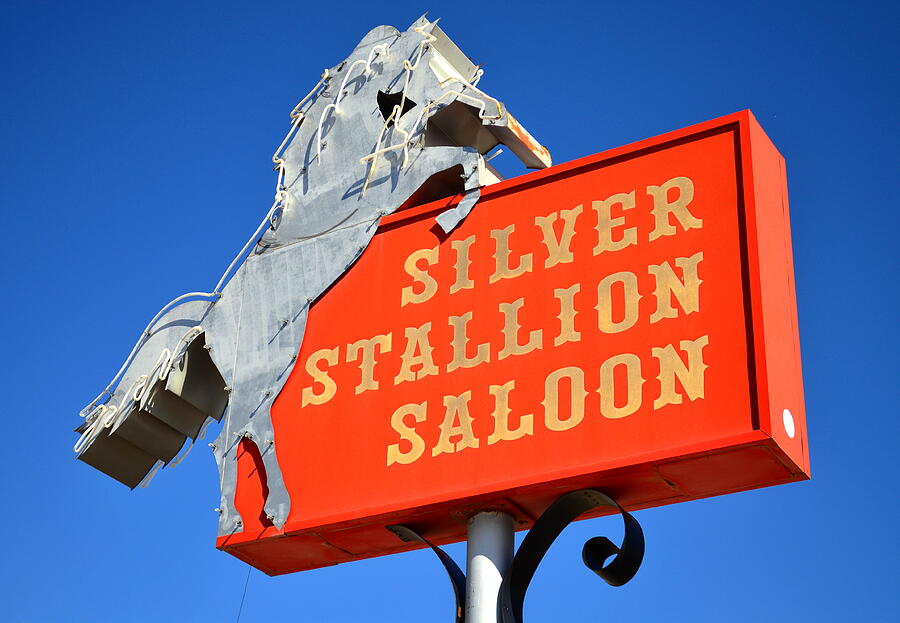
x,y
456,575
596,551
626,559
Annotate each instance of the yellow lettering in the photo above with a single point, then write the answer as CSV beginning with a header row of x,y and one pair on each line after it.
x,y
407,433
457,410
407,295
558,248
577,394
606,223
462,265
671,367
567,332
460,345
416,342
607,390
604,302
662,207
667,283
511,327
501,413
367,365
308,396
502,269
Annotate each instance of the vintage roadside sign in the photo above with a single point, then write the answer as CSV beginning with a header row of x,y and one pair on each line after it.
x,y
624,322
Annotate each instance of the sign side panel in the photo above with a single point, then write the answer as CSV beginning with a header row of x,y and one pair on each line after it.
x,y
776,330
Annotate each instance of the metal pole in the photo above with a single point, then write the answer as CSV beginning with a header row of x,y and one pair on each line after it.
x,y
489,555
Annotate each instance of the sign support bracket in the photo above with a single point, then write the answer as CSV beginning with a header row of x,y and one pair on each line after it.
x,y
494,589
456,575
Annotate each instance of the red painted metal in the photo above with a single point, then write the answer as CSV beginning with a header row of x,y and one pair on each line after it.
x,y
733,437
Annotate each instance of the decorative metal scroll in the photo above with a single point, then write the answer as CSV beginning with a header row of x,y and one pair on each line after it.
x,y
596,551
626,560
456,575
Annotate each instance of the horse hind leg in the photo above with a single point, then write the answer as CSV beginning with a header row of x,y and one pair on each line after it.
x,y
156,412
256,439
278,501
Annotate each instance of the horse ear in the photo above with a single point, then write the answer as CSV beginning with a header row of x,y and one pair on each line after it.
x,y
423,23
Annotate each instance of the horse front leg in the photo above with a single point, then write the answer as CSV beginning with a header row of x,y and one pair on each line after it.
x,y
225,449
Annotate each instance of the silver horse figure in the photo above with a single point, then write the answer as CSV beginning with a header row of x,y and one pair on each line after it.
x,y
400,121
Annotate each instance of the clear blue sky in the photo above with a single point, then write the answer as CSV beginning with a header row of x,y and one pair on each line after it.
x,y
136,140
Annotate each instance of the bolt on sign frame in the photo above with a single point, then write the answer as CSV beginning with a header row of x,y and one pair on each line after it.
x,y
625,322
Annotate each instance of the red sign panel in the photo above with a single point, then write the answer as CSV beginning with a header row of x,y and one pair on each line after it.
x,y
624,322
